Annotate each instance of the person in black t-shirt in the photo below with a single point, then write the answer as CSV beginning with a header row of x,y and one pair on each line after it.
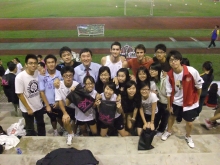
x,y
66,56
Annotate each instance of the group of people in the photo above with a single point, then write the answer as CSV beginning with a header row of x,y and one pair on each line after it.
x,y
157,92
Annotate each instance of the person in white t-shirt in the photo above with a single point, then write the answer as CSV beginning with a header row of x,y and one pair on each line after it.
x,y
183,88
19,66
88,118
26,87
148,110
68,113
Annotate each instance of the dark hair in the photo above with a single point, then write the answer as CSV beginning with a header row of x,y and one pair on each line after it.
x,y
129,84
88,78
140,46
143,69
156,66
41,64
12,66
185,61
207,65
217,26
213,90
116,43
126,72
85,50
66,69
64,49
17,59
39,56
33,56
175,54
143,84
111,85
10,62
50,56
161,47
99,84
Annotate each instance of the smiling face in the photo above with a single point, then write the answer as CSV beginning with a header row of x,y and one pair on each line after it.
x,y
121,77
131,91
89,85
104,77
160,55
86,58
66,57
153,73
145,91
140,54
142,75
108,92
115,51
68,78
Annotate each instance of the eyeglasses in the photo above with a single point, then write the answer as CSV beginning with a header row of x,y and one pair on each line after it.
x,y
68,76
32,63
173,60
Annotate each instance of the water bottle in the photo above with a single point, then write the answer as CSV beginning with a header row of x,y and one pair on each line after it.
x,y
18,151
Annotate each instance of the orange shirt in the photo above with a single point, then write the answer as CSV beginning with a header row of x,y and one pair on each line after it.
x,y
134,64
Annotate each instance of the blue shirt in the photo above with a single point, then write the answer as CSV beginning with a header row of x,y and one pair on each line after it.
x,y
80,72
46,85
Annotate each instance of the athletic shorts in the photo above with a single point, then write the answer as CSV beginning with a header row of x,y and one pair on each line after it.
x,y
188,116
118,123
70,112
91,122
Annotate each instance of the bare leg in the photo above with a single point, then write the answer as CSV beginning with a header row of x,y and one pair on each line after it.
x,y
123,133
93,129
171,121
189,126
139,130
103,132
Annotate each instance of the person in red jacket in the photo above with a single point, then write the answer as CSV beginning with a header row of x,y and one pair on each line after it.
x,y
183,87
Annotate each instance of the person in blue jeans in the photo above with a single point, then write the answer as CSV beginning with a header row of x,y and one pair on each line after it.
x,y
215,34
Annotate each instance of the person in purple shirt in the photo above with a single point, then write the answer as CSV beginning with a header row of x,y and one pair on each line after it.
x,y
47,91
87,68
214,37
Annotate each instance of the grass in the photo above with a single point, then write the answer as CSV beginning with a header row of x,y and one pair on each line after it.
x,y
108,33
105,8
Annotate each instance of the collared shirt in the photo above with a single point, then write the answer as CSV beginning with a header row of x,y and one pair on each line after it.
x,y
80,72
46,85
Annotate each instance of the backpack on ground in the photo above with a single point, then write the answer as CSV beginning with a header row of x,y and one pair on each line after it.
x,y
70,156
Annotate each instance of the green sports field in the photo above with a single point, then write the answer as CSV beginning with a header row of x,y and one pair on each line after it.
x,y
106,8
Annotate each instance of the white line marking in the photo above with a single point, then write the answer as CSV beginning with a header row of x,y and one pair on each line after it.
x,y
194,39
172,39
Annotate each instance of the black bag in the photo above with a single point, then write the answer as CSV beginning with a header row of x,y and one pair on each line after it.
x,y
80,98
107,111
68,156
146,139
5,80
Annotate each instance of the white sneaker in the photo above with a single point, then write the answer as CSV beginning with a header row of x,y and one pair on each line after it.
x,y
159,134
69,139
165,135
55,133
190,142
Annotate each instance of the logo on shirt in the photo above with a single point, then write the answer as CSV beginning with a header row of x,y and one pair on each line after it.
x,y
33,89
188,79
